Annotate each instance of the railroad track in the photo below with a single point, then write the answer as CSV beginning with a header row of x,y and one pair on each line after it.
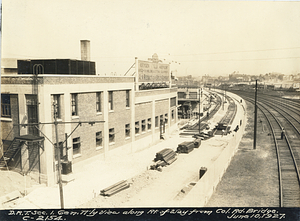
x,y
287,149
231,112
205,118
294,103
229,116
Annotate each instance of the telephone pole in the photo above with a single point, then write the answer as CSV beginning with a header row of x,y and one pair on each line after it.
x,y
59,163
57,146
199,109
255,116
223,100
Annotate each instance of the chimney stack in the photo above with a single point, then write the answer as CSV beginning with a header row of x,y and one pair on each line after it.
x,y
85,50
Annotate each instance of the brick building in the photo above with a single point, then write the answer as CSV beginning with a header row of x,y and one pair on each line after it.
x,y
97,115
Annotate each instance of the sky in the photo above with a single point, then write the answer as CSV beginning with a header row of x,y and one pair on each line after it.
x,y
197,37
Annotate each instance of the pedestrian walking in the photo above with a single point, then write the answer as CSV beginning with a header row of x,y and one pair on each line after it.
x,y
282,133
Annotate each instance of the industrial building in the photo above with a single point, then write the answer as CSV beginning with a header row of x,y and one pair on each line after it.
x,y
95,115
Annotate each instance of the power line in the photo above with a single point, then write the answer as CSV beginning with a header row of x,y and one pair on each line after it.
x,y
232,52
117,58
253,59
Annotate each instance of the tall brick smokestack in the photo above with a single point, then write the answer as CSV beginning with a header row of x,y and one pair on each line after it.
x,y
85,50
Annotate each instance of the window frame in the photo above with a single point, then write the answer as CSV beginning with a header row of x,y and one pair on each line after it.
x,y
110,101
173,102
193,95
127,98
98,102
143,124
76,142
57,106
111,135
156,122
149,124
6,106
74,104
137,127
127,130
99,139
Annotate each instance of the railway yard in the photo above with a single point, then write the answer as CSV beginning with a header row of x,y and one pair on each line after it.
x,y
223,171
281,116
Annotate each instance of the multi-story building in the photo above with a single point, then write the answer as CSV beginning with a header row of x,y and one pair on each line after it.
x,y
95,115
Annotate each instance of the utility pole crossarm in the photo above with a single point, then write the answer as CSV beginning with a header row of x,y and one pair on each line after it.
x,y
61,122
55,123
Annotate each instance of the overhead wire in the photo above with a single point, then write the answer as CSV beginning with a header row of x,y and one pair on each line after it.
x,y
232,52
120,59
252,59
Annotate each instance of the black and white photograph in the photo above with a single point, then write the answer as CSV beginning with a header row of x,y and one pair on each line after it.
x,y
150,110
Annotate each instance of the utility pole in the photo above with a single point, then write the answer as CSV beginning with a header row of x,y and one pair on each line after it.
x,y
223,100
57,143
59,163
199,109
255,116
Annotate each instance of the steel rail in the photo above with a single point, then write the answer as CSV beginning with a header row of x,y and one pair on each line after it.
x,y
282,110
291,103
280,174
284,116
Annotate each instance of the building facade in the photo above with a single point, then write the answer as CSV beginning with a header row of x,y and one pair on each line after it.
x,y
95,116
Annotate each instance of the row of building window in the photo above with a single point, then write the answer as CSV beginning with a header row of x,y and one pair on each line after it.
x,y
74,103
145,125
6,109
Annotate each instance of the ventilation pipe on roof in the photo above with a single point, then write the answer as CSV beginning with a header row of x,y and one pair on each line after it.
x,y
85,50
